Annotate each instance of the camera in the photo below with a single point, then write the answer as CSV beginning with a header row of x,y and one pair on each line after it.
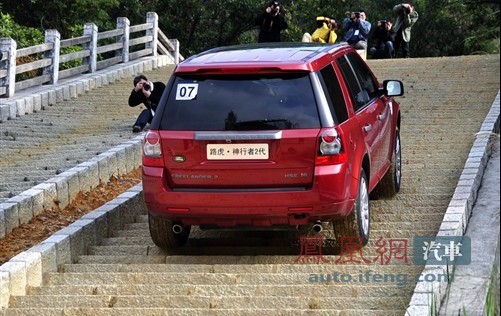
x,y
407,10
382,21
274,6
357,15
146,86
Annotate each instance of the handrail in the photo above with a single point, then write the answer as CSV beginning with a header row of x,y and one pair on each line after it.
x,y
43,63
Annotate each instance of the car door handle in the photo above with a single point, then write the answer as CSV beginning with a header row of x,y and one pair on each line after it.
x,y
381,116
367,127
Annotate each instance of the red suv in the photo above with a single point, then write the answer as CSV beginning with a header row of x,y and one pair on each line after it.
x,y
288,134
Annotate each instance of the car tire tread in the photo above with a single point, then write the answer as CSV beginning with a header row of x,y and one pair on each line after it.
x,y
162,234
389,186
351,225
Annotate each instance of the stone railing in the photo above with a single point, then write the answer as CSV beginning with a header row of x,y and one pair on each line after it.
x,y
91,52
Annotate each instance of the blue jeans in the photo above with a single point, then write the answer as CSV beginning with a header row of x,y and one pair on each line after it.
x,y
383,52
144,118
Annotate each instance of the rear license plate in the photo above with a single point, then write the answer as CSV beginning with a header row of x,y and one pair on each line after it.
x,y
237,151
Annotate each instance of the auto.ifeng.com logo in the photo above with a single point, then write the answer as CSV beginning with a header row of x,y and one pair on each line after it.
x,y
370,276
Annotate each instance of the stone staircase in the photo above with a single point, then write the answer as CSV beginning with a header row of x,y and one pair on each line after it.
x,y
242,273
38,146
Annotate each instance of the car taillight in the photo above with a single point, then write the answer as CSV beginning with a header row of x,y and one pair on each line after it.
x,y
331,149
152,152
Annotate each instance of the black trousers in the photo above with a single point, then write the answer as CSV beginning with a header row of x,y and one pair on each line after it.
x,y
144,118
401,44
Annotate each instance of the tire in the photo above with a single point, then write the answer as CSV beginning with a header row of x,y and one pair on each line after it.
x,y
390,183
357,224
162,234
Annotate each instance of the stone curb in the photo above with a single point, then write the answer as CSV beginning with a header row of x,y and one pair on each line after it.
x,y
63,188
27,268
428,296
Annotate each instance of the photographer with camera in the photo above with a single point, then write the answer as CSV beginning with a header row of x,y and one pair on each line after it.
x,y
406,18
325,32
357,29
149,94
271,22
384,35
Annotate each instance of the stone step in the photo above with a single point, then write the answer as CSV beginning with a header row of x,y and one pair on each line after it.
x,y
406,189
420,197
206,246
331,290
285,268
126,259
106,311
207,278
209,301
408,203
131,233
398,215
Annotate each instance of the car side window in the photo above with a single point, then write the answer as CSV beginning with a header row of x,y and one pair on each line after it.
x,y
330,83
367,82
359,97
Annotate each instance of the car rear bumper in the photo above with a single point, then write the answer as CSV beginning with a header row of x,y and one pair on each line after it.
x,y
331,197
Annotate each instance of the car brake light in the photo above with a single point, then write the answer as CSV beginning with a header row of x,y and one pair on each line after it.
x,y
152,152
331,149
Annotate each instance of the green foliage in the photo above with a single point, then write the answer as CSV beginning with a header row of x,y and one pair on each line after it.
x,y
444,28
62,15
24,36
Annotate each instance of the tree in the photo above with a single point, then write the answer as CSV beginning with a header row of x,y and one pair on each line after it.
x,y
444,28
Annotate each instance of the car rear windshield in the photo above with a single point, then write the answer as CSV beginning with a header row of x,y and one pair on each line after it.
x,y
240,102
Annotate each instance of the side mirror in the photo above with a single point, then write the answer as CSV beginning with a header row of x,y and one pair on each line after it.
x,y
393,88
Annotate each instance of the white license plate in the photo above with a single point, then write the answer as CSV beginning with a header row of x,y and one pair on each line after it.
x,y
237,151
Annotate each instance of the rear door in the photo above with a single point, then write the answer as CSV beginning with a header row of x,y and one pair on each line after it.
x,y
367,106
240,131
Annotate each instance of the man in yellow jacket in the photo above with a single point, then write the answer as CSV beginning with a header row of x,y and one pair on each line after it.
x,y
325,32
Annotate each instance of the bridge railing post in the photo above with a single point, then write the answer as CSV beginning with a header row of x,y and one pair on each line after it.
x,y
124,24
175,42
152,18
9,47
53,36
91,30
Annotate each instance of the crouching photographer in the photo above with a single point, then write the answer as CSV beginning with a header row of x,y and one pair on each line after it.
x,y
384,36
149,94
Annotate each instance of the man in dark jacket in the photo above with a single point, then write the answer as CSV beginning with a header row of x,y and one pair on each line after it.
x,y
406,18
271,23
384,35
149,94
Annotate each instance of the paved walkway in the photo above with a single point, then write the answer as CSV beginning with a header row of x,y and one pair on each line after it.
x,y
471,282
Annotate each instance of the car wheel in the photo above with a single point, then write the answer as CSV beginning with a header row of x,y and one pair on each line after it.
x,y
357,224
162,234
390,183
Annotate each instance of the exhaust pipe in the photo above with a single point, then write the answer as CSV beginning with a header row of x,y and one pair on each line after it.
x,y
177,229
317,227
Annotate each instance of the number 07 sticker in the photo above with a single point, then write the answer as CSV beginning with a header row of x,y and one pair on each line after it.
x,y
186,91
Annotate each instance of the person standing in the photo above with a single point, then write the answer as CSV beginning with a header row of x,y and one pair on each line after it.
x,y
271,23
357,29
406,18
149,94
